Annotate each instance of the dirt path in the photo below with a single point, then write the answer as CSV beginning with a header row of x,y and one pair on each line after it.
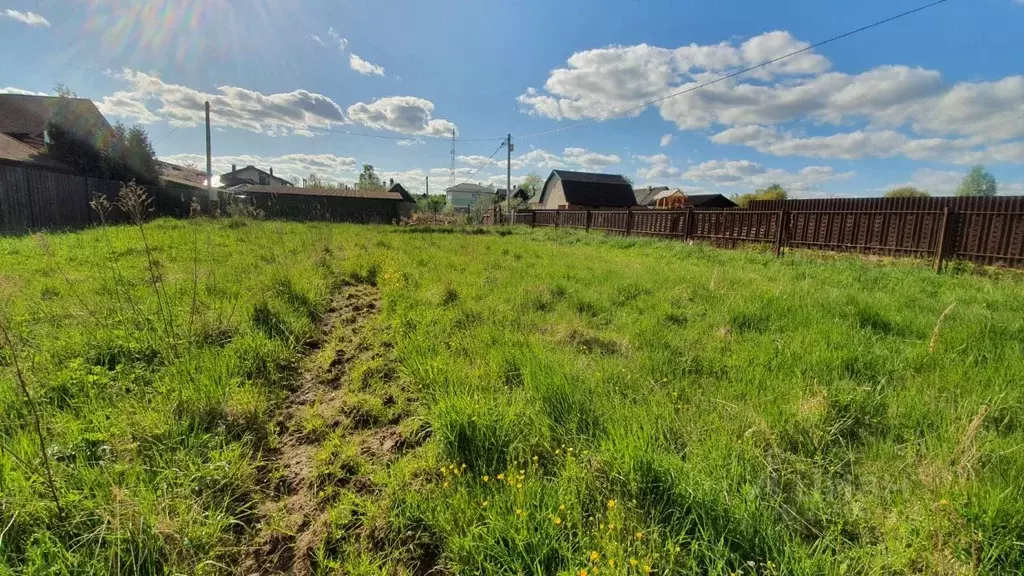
x,y
295,522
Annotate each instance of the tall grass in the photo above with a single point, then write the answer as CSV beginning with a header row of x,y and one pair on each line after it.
x,y
619,406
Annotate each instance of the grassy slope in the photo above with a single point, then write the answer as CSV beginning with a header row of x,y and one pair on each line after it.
x,y
691,409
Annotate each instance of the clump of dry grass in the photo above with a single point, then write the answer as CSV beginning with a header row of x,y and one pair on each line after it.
x,y
938,327
966,454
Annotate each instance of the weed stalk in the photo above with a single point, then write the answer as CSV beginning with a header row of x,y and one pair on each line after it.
x,y
20,377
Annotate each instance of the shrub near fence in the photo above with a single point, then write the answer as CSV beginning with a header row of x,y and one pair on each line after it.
x,y
939,231
33,198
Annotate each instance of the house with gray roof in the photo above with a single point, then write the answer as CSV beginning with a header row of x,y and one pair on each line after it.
x,y
461,196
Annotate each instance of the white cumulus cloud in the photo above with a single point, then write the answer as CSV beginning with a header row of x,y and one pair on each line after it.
x,y
29,18
403,114
894,109
12,90
746,174
363,67
149,99
666,140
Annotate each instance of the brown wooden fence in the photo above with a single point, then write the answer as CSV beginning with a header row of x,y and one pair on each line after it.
x,y
936,231
33,198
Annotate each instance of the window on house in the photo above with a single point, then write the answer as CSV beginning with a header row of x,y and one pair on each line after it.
x,y
263,179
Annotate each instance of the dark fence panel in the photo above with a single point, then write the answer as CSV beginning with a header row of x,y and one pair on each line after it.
x,y
991,232
613,221
732,226
657,222
908,233
35,198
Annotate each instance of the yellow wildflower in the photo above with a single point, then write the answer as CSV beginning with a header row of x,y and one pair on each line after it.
x,y
611,526
519,512
611,562
583,572
487,478
556,520
484,503
445,485
611,504
561,508
943,502
594,555
520,485
647,568
633,562
500,476
639,535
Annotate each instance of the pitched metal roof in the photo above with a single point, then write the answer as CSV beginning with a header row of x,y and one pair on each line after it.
x,y
594,189
373,194
28,114
645,196
225,177
181,174
714,200
470,187
396,187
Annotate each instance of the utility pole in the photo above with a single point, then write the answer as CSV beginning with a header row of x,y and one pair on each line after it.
x,y
451,173
428,186
508,179
209,158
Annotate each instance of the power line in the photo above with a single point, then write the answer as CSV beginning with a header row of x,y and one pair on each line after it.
x,y
484,163
402,137
737,73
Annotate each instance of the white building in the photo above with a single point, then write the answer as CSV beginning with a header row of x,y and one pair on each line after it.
x,y
462,196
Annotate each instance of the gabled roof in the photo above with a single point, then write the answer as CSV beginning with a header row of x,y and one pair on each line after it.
x,y
12,149
228,175
181,174
398,188
667,192
593,189
645,196
374,194
712,200
28,114
470,187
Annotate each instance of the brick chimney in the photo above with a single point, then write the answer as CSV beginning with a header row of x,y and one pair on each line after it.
x,y
271,170
232,167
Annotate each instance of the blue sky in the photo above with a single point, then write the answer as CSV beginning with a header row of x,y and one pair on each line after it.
x,y
916,101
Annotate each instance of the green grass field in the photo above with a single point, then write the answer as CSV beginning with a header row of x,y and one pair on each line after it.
x,y
244,396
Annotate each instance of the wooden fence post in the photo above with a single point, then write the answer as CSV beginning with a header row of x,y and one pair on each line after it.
x,y
558,218
781,225
940,243
686,224
588,220
629,220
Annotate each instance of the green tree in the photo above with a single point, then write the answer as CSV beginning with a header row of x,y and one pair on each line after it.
x,y
906,192
368,178
78,139
977,182
430,204
532,183
314,181
140,156
771,192
68,141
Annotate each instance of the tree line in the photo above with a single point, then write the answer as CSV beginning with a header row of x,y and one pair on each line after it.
x,y
977,182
